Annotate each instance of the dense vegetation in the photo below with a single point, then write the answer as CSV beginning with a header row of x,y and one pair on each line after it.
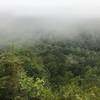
x,y
51,69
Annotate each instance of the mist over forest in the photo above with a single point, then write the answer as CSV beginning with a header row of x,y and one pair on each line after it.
x,y
23,28
49,50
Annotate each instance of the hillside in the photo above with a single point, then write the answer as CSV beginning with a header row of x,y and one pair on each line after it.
x,y
51,69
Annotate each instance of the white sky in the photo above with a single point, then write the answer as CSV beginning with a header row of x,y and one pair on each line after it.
x,y
65,8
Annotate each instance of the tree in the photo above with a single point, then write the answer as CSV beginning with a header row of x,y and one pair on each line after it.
x,y
10,66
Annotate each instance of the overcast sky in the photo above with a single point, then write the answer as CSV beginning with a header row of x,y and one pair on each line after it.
x,y
63,8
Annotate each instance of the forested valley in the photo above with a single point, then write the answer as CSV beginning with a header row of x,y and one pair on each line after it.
x,y
51,69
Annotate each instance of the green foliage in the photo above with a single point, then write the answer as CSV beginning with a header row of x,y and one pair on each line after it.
x,y
51,70
36,89
10,66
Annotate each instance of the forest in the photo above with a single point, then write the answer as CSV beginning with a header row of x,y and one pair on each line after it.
x,y
51,69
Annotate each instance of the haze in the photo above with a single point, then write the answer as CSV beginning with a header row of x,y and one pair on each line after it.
x,y
55,8
28,18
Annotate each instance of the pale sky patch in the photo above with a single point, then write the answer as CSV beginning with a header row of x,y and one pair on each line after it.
x,y
65,8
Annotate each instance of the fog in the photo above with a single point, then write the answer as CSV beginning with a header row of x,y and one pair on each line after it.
x,y
25,19
54,8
